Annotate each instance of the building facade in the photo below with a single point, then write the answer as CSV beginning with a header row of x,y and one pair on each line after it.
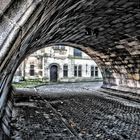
x,y
59,64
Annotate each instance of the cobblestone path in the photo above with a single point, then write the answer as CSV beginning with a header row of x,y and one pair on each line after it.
x,y
96,116
36,120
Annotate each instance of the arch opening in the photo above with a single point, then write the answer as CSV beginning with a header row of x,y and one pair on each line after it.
x,y
59,64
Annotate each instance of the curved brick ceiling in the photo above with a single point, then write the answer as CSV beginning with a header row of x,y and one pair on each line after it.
x,y
107,30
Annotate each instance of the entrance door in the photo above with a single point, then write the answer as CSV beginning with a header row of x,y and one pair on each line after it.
x,y
53,73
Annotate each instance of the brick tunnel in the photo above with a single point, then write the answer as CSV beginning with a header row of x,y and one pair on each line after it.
x,y
108,31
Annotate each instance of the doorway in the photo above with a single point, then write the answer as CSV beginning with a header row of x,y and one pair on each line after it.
x,y
53,73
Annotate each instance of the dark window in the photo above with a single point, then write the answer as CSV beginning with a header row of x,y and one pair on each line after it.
x,y
32,71
96,71
75,70
77,52
65,70
80,71
86,68
92,71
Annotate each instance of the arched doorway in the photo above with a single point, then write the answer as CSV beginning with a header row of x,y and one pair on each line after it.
x,y
53,73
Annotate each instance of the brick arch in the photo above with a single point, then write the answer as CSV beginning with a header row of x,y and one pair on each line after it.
x,y
109,29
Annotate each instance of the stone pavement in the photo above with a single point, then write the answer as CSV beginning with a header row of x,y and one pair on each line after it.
x,y
54,90
88,115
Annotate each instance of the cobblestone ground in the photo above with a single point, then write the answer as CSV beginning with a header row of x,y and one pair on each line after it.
x,y
96,116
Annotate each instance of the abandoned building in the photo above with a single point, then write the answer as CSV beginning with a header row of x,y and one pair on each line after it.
x,y
58,64
106,30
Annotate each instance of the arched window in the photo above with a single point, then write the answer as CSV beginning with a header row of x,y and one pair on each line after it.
x,y
80,71
96,71
32,71
92,71
65,71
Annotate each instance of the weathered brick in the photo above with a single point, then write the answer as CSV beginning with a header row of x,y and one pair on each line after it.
x,y
129,25
120,3
137,16
130,19
35,24
111,3
116,21
128,4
